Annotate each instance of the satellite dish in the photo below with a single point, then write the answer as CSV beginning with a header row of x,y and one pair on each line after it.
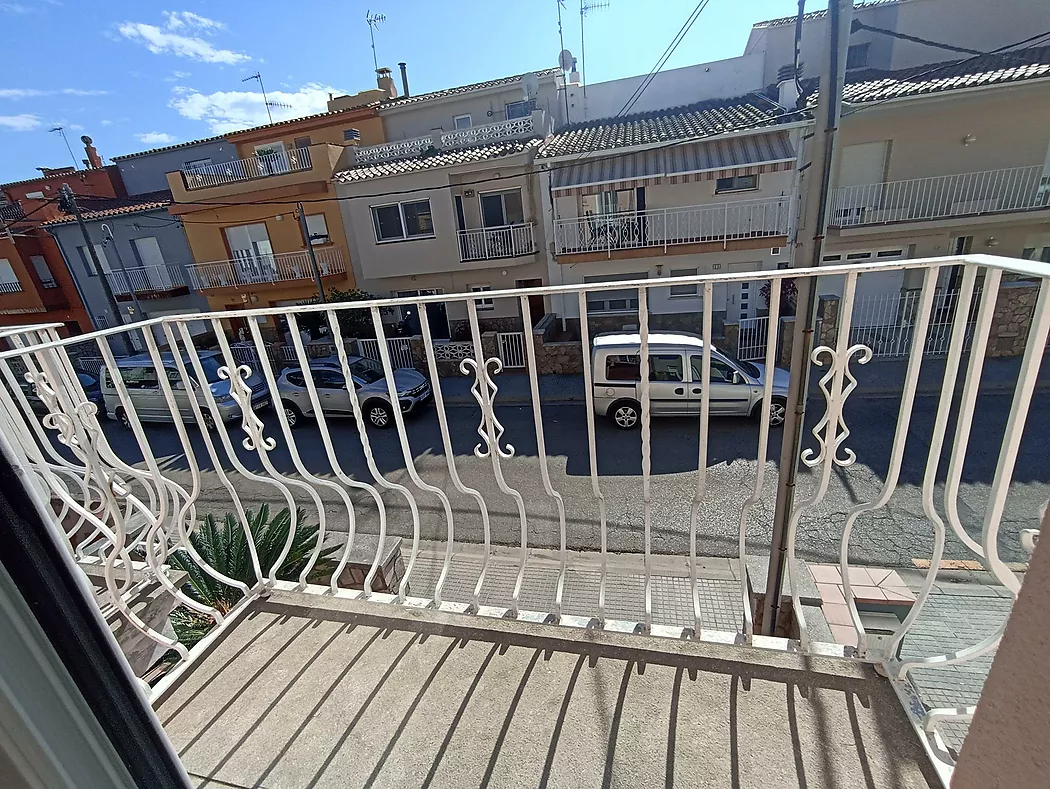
x,y
531,84
566,60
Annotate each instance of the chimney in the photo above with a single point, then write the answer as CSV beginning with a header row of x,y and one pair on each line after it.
x,y
93,161
386,82
787,88
404,77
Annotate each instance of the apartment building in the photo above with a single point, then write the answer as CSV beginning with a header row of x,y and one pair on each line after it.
x,y
36,286
449,204
942,163
689,190
240,215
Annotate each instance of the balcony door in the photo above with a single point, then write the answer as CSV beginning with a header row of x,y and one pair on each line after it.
x,y
499,209
272,158
251,253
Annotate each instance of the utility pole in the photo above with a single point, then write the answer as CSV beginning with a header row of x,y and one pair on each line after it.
x,y
310,251
67,201
817,193
107,232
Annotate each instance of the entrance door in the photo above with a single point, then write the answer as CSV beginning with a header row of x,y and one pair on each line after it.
x,y
437,316
742,297
537,309
272,158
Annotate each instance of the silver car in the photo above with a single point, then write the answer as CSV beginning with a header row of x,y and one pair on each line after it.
x,y
142,382
675,366
413,390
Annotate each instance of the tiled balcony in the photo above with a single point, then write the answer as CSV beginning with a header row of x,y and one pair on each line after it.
x,y
376,660
265,269
941,197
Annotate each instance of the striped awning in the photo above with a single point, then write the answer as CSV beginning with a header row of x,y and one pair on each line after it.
x,y
746,155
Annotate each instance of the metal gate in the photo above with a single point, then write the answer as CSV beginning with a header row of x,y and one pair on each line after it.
x,y
751,338
885,322
511,348
400,349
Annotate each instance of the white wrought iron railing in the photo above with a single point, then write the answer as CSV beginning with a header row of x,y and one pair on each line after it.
x,y
10,286
119,505
668,227
961,194
512,129
253,269
147,279
290,161
489,243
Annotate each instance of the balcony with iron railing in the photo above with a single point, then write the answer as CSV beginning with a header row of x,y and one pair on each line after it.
x,y
942,197
148,281
10,286
674,230
518,593
11,212
262,269
493,243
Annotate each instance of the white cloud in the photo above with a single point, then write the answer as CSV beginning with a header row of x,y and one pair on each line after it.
x,y
26,93
22,122
156,138
160,42
105,122
15,8
175,76
227,111
176,20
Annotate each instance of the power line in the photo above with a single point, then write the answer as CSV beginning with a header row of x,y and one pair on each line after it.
x,y
22,218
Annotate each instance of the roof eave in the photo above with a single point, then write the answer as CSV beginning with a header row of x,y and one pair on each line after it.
x,y
398,106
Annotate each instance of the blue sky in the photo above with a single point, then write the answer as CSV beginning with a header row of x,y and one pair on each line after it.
x,y
134,75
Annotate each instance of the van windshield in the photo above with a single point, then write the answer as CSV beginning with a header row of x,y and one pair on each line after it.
x,y
747,367
210,365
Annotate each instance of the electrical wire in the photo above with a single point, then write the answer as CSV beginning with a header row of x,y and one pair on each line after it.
x,y
22,218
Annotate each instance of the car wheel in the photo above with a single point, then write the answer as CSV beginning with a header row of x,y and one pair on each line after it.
x,y
122,417
625,414
777,411
292,414
379,414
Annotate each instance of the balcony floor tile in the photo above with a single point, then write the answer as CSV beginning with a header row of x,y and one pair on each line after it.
x,y
310,691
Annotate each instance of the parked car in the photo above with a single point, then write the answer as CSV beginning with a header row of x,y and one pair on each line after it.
x,y
141,380
91,389
675,366
413,390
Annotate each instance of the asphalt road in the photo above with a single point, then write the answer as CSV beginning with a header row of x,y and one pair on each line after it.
x,y
892,535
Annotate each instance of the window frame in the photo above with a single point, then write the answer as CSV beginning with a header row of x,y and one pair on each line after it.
x,y
38,262
89,265
684,272
457,118
4,269
482,304
351,134
317,242
731,189
404,227
526,104
855,52
502,195
195,165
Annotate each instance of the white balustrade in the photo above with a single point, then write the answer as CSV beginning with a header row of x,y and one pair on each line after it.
x,y
258,269
938,197
10,286
398,149
667,227
112,499
487,243
513,129
146,279
290,161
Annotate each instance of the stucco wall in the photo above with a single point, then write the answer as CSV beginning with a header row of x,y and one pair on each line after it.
x,y
146,173
371,134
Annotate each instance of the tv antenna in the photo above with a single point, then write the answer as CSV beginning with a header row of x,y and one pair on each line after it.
x,y
586,6
374,20
60,130
269,104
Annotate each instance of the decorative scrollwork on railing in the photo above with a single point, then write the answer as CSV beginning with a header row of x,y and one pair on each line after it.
x,y
242,395
835,401
486,401
452,351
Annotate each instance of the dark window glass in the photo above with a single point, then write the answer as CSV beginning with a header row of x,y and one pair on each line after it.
x,y
665,367
296,378
736,183
388,222
418,221
621,368
328,379
857,56
139,377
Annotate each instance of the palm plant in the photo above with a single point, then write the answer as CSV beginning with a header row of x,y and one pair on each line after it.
x,y
224,546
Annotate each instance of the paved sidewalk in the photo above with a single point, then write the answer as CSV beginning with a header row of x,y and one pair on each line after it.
x,y
878,378
963,607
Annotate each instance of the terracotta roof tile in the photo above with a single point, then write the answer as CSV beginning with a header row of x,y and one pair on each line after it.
x,y
187,144
93,208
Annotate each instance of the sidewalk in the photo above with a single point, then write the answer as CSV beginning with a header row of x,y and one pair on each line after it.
x,y
877,378
963,607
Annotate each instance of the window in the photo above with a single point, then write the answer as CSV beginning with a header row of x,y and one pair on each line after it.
x,y
519,109
8,279
858,256
89,265
736,183
147,251
662,367
47,279
857,56
249,242
962,245
462,122
139,377
625,300
502,208
328,379
402,221
890,253
351,134
301,142
317,229
481,304
196,164
101,321
683,291
608,202
720,371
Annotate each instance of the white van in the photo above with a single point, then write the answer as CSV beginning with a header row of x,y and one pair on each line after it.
x,y
675,364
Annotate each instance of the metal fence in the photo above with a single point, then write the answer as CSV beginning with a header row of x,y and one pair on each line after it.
x,y
511,346
886,322
751,339
398,348
110,506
